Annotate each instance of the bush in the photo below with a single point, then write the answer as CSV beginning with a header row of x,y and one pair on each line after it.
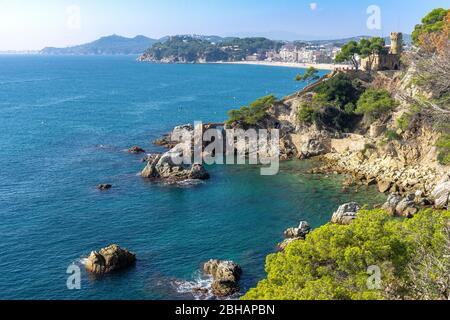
x,y
339,90
375,103
443,145
306,113
391,135
250,115
332,262
404,121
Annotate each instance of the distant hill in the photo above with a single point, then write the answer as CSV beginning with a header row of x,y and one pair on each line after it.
x,y
194,49
339,42
111,45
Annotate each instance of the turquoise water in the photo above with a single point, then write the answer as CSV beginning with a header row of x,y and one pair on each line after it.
x,y
64,125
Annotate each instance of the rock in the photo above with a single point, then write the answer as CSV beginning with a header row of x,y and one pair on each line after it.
x,y
311,148
163,167
226,276
441,195
198,172
300,232
384,186
200,290
109,259
136,150
283,245
346,213
406,207
391,204
104,187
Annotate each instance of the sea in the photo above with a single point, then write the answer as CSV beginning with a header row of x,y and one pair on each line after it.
x,y
65,125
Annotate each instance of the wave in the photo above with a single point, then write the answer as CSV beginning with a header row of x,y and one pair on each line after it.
x,y
200,287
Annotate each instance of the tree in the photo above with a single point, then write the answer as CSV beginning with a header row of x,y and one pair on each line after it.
x,y
434,22
349,53
369,48
333,261
374,103
311,74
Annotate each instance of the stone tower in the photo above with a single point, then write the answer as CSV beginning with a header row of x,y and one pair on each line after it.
x,y
396,43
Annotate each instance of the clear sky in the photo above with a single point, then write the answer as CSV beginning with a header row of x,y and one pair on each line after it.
x,y
34,24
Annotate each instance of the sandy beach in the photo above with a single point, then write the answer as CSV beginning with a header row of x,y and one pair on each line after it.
x,y
321,66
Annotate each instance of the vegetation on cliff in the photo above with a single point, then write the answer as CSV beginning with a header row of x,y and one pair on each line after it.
x,y
333,261
250,115
375,103
432,23
333,103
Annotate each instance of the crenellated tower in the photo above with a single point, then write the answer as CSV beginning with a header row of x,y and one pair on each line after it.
x,y
396,43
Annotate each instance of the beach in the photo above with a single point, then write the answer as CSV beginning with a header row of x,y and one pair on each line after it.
x,y
321,66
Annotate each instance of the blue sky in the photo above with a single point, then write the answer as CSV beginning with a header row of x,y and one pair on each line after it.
x,y
34,24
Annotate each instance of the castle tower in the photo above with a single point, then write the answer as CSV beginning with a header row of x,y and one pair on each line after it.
x,y
396,43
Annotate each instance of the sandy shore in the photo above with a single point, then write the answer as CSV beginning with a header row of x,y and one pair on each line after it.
x,y
321,66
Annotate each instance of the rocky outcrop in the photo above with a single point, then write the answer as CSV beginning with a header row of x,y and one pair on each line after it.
x,y
136,150
109,259
346,213
164,167
404,206
226,276
104,187
300,232
441,195
294,234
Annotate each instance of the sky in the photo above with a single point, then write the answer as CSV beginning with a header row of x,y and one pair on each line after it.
x,y
35,24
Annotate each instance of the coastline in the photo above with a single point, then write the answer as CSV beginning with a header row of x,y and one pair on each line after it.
x,y
320,66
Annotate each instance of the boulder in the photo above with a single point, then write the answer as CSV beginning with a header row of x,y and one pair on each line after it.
x,y
163,167
198,172
109,259
346,213
136,150
384,186
104,187
391,204
300,232
311,148
441,195
226,276
406,207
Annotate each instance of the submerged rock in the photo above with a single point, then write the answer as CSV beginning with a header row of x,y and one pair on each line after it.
x,y
104,187
346,213
136,150
226,276
109,259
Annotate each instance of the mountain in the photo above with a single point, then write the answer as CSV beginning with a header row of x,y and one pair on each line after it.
x,y
340,42
110,45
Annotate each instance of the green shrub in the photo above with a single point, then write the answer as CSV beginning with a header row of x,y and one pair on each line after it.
x,y
306,113
391,135
339,90
374,104
404,121
443,145
333,261
250,115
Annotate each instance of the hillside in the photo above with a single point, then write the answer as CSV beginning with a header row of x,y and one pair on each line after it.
x,y
110,45
188,49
